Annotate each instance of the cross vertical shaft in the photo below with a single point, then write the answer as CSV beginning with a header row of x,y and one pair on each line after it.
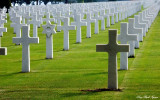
x,y
25,58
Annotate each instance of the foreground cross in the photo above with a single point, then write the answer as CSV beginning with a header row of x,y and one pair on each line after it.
x,y
112,48
25,40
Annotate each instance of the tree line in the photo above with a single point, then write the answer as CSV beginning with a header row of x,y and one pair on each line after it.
x,y
7,3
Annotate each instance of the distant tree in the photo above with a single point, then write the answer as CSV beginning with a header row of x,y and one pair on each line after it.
x,y
5,3
13,1
46,1
27,2
80,1
88,0
66,1
37,1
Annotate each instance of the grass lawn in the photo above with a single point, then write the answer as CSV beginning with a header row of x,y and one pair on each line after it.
x,y
80,68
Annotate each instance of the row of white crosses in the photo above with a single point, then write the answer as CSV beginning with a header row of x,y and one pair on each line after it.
x,y
128,33
112,47
68,15
141,21
49,29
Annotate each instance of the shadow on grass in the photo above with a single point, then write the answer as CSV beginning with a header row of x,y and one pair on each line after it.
x,y
11,74
89,92
77,94
122,70
99,73
101,90
58,50
38,59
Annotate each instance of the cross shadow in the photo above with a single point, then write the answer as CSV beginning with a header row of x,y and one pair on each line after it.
x,y
38,59
77,94
11,74
11,91
89,92
58,50
122,70
90,74
77,43
101,90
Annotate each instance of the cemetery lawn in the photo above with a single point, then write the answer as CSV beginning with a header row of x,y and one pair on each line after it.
x,y
80,68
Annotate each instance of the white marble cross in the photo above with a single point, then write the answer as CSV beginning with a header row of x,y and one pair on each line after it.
x,y
18,25
25,40
103,15
39,17
138,32
116,17
141,20
68,13
112,48
108,18
48,18
59,18
124,37
146,18
112,14
2,21
66,27
78,23
27,16
13,19
97,18
35,23
140,25
49,29
2,29
120,15
3,50
89,21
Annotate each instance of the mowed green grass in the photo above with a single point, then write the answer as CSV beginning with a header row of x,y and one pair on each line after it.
x,y
80,68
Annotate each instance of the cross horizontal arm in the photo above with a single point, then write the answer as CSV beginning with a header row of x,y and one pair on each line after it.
x,y
101,48
59,27
33,40
138,30
93,20
132,37
72,27
123,48
3,29
16,40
